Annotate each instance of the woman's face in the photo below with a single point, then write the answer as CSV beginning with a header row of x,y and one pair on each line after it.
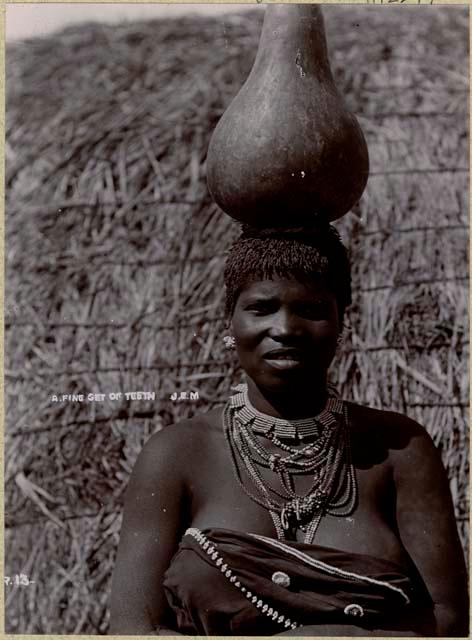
x,y
285,332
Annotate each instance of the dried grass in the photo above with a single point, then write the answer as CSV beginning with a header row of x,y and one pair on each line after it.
x,y
114,259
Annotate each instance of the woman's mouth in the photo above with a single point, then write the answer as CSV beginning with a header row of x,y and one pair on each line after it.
x,y
284,358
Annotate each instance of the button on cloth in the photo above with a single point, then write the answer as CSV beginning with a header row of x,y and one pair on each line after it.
x,y
354,610
281,578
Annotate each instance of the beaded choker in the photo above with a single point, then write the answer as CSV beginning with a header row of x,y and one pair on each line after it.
x,y
326,458
280,428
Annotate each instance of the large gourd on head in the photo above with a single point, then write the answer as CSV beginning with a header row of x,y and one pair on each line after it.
x,y
287,151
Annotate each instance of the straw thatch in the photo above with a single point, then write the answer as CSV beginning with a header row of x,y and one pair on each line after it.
x,y
114,259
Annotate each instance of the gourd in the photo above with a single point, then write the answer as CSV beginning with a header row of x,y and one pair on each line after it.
x,y
286,150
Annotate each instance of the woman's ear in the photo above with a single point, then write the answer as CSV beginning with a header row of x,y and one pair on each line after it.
x,y
229,339
341,318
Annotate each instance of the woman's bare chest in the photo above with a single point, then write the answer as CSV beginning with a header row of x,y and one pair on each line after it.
x,y
225,495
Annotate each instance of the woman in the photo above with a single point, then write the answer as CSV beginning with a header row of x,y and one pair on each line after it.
x,y
296,513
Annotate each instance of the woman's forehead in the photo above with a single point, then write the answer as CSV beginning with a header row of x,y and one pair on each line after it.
x,y
282,286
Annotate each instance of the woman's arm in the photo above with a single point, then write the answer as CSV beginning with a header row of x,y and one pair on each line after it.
x,y
427,528
153,522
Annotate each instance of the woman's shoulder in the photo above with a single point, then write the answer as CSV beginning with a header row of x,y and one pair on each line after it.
x,y
175,447
367,418
404,437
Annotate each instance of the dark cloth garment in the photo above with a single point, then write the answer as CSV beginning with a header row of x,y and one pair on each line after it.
x,y
223,582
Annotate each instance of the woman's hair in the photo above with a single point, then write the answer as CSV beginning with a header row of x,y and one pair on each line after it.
x,y
303,254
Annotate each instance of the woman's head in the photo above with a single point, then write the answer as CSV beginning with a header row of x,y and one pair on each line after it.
x,y
304,255
286,294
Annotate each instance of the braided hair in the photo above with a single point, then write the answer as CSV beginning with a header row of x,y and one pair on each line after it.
x,y
300,253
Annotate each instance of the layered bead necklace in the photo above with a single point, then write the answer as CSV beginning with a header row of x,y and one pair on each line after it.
x,y
326,456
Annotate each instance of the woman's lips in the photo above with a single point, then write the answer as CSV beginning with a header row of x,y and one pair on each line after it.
x,y
284,359
284,363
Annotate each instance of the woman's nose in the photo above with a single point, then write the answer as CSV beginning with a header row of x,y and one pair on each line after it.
x,y
284,324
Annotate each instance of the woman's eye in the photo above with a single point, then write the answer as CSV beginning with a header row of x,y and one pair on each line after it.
x,y
260,308
313,311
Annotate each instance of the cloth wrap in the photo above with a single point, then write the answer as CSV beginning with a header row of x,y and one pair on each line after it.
x,y
223,582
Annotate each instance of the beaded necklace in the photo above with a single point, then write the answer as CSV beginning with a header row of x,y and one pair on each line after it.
x,y
327,460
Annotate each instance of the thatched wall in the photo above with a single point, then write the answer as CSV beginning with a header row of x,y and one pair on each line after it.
x,y
114,256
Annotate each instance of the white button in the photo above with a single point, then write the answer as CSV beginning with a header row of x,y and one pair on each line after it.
x,y
354,610
281,578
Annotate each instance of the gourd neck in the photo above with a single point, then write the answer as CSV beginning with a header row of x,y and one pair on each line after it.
x,y
294,35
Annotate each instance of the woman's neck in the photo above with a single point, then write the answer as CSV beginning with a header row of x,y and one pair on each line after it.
x,y
293,404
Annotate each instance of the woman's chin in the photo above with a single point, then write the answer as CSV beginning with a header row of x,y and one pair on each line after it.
x,y
286,378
